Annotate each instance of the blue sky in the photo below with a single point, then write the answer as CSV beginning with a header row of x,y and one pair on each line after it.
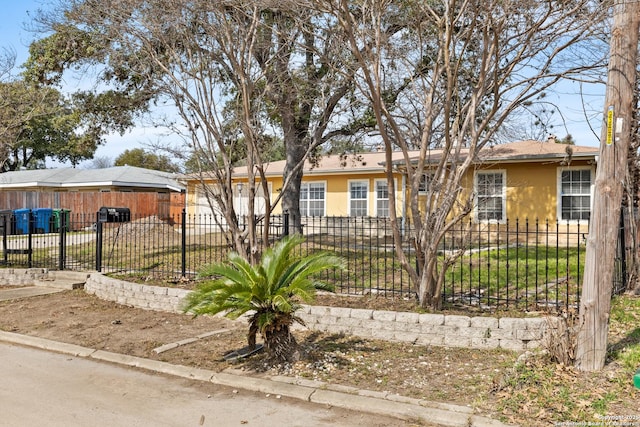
x,y
14,34
16,15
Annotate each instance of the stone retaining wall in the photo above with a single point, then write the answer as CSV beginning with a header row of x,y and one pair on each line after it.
x,y
516,334
135,295
22,276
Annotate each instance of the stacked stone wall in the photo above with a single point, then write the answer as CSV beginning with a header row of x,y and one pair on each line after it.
x,y
135,295
518,334
22,276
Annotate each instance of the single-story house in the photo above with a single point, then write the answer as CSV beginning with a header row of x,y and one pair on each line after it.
x,y
525,179
83,191
117,179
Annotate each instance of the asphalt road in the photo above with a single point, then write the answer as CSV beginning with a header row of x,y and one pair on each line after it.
x,y
40,388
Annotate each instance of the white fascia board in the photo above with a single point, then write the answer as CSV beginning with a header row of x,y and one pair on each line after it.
x,y
31,184
122,184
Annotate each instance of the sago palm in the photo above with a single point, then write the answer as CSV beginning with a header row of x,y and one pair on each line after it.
x,y
272,290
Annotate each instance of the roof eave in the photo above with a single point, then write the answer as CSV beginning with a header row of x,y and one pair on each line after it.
x,y
537,157
31,184
524,158
123,184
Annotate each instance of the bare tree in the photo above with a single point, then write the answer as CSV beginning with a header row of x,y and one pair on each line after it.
x,y
631,199
239,73
101,162
7,62
197,56
464,68
632,194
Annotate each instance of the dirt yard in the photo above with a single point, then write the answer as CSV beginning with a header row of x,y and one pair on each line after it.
x,y
485,380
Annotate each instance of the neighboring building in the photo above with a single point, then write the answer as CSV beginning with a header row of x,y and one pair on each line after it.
x,y
145,192
526,179
118,179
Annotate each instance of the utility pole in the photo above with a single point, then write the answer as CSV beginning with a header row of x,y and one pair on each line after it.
x,y
595,302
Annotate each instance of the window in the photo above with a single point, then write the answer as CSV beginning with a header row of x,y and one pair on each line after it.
x,y
358,203
382,199
241,198
491,197
312,199
575,194
425,182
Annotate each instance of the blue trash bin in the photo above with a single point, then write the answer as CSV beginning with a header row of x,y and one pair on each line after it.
x,y
23,220
42,220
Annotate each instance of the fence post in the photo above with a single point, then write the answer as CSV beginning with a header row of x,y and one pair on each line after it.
x,y
622,252
285,223
30,226
7,223
98,243
184,243
62,250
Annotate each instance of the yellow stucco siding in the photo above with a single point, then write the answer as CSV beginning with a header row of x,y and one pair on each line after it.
x,y
338,196
530,189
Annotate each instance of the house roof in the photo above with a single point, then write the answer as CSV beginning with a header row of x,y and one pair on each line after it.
x,y
117,176
333,164
534,151
521,151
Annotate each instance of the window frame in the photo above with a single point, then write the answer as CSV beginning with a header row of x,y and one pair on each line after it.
x,y
426,179
324,199
502,196
351,199
378,199
560,194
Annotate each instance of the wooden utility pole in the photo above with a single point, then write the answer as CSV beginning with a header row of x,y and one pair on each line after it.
x,y
595,302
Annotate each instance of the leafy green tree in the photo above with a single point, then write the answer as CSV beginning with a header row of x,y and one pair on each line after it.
x,y
567,140
143,159
39,122
273,290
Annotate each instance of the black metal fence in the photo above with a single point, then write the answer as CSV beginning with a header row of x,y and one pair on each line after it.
x,y
527,265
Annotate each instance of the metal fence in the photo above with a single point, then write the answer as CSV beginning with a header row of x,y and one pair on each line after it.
x,y
526,265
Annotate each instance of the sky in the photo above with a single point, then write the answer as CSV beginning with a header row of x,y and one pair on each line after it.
x,y
14,21
16,15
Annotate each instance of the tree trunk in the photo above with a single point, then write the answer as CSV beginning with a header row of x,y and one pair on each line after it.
x,y
281,345
430,291
595,302
296,153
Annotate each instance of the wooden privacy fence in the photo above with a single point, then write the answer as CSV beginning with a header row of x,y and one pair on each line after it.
x,y
165,206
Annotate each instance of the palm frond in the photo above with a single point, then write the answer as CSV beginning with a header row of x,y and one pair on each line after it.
x,y
271,289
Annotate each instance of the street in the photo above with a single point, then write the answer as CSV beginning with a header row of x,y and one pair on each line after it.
x,y
42,388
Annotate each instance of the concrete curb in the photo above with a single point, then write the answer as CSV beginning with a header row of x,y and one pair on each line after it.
x,y
311,391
